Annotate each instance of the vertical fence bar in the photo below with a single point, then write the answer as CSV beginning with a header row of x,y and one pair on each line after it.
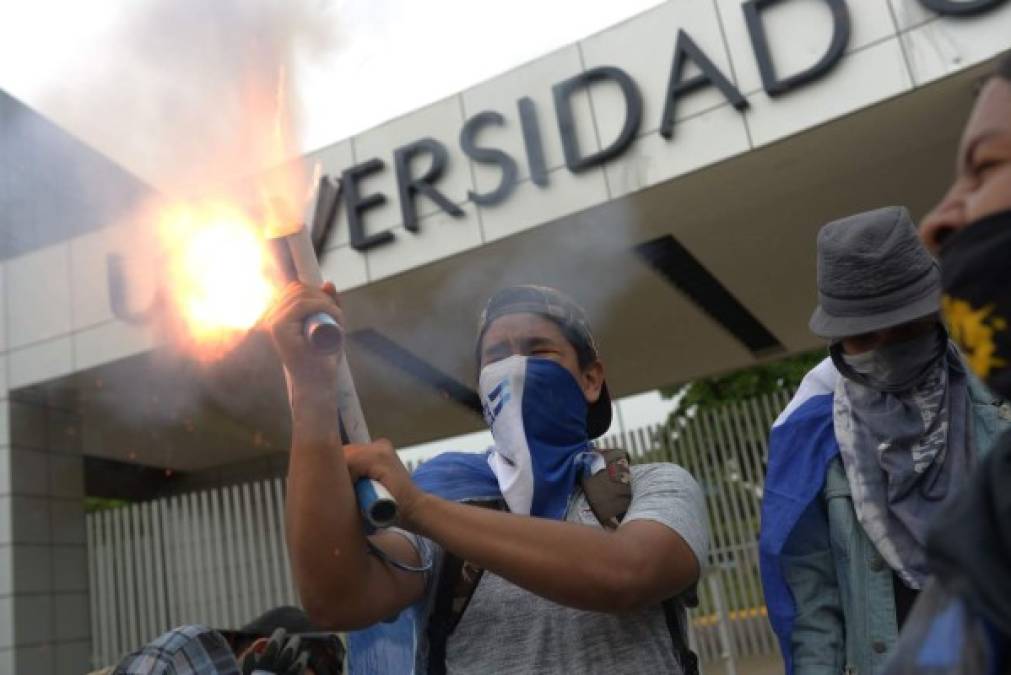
x,y
214,614
121,589
752,426
235,610
723,624
220,587
738,533
96,593
723,533
172,570
131,573
114,578
245,612
198,613
640,442
150,594
660,449
254,572
169,556
285,559
195,580
254,542
771,405
249,550
136,553
180,570
107,599
205,563
158,549
695,459
261,541
271,561
277,597
185,583
742,588
745,582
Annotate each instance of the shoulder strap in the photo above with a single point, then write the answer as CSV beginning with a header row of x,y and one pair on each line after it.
x,y
609,492
458,579
676,614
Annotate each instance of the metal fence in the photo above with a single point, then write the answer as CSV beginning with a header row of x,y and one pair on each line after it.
x,y
218,557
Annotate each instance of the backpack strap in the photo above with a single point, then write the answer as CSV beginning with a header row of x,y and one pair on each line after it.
x,y
676,613
458,579
609,492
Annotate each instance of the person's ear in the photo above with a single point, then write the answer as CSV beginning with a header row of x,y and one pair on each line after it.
x,y
591,381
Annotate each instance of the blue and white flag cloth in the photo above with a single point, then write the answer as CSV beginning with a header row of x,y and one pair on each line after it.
x,y
801,446
536,411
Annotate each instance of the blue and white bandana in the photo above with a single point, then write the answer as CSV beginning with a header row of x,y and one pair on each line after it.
x,y
537,415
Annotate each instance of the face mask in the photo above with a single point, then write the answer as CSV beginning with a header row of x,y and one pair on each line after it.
x,y
976,278
899,366
537,415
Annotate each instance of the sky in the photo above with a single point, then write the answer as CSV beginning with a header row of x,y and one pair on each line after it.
x,y
94,67
119,73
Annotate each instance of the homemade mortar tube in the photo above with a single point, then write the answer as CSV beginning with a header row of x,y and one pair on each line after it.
x,y
297,260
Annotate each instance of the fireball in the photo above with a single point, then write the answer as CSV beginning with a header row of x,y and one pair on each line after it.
x,y
218,270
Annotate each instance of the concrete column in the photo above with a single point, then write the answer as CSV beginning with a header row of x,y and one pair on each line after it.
x,y
44,609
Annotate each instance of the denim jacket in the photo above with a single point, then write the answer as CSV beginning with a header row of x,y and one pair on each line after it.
x,y
845,603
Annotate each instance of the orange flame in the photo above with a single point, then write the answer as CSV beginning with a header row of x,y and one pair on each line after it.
x,y
219,271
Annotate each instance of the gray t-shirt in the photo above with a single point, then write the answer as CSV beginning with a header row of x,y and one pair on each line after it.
x,y
509,630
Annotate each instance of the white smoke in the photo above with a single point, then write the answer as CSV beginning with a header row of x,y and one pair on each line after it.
x,y
166,91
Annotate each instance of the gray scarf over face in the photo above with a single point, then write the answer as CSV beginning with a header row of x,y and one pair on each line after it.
x,y
901,417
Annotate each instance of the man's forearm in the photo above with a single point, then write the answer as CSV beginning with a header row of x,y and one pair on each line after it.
x,y
569,563
325,535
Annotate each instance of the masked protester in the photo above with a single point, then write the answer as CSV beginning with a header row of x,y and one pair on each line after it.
x,y
542,555
962,623
879,435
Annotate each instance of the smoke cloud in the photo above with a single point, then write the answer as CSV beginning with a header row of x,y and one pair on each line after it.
x,y
191,96
181,78
185,78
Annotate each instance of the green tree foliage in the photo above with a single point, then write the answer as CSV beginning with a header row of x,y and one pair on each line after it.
x,y
96,504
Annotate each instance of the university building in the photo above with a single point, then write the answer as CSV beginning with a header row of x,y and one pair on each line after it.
x,y
670,173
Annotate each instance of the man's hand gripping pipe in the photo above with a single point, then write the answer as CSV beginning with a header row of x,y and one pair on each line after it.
x,y
297,259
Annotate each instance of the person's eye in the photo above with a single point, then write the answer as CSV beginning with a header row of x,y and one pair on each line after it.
x,y
981,167
983,163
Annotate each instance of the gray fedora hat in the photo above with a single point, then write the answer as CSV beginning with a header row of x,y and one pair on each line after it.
x,y
873,273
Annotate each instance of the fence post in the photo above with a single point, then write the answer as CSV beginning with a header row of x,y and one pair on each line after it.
x,y
723,623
